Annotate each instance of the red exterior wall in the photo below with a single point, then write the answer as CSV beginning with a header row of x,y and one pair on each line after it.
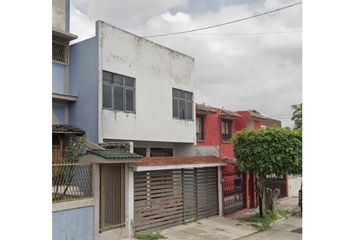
x,y
212,134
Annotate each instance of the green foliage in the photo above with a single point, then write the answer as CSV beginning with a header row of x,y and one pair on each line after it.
x,y
269,151
74,149
193,220
297,115
261,223
149,236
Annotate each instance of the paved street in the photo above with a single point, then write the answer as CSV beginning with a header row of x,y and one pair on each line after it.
x,y
289,229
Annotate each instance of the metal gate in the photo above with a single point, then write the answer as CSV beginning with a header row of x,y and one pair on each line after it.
x,y
233,189
277,182
166,198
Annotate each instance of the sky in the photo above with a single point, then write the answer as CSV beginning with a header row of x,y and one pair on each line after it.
x,y
253,64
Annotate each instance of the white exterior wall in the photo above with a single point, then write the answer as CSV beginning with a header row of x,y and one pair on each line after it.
x,y
294,185
157,70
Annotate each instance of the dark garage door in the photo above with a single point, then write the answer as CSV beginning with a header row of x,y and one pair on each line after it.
x,y
166,198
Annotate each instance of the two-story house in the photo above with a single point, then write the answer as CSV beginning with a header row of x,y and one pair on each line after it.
x,y
130,89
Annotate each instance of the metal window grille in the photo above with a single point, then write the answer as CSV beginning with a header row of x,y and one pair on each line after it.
x,y
71,181
59,52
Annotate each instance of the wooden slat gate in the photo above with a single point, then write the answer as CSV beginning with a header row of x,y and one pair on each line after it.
x,y
166,198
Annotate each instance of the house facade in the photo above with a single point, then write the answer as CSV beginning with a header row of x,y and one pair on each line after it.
x,y
61,94
215,127
132,89
133,92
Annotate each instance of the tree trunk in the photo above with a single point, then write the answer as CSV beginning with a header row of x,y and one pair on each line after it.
x,y
262,195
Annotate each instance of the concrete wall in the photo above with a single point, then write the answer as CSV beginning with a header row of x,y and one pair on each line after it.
x,y
84,85
59,78
73,224
61,14
157,70
194,150
294,185
61,112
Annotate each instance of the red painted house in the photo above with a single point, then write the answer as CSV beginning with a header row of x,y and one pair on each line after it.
x,y
215,127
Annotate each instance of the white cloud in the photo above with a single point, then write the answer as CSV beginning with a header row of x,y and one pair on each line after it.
x,y
238,72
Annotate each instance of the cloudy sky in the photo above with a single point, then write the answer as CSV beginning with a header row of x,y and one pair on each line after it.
x,y
254,64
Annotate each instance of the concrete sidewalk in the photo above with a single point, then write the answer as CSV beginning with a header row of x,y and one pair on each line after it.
x,y
219,228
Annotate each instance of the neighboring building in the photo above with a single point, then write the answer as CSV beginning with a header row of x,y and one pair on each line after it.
x,y
215,127
70,220
61,36
271,122
132,89
250,119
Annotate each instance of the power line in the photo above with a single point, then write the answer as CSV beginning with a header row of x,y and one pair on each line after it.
x,y
225,23
249,33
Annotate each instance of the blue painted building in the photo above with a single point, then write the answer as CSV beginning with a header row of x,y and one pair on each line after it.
x,y
61,37
70,220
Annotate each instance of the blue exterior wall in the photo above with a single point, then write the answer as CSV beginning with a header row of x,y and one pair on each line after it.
x,y
84,84
58,76
73,224
59,112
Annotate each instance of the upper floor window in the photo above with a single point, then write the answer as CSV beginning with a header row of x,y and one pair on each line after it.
x,y
60,52
250,124
182,104
226,130
118,92
200,127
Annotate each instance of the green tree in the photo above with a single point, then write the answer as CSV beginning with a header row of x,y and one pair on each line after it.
x,y
268,151
63,174
297,115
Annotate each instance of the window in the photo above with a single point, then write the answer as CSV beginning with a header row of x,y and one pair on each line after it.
x,y
250,124
200,128
225,130
60,52
112,196
182,104
161,152
140,151
118,92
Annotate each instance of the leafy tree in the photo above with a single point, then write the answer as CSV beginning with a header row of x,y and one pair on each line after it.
x,y
63,174
297,115
268,151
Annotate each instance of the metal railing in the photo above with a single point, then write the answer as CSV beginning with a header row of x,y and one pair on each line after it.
x,y
71,181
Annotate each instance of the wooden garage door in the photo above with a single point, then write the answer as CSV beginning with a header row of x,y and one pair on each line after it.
x,y
169,197
158,199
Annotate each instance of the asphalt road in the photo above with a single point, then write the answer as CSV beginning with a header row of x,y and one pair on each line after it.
x,y
289,229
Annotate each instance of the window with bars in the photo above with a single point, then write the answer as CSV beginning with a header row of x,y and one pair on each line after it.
x,y
200,128
60,52
112,197
226,130
182,104
118,92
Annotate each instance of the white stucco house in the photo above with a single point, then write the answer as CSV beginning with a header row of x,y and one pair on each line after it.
x,y
132,90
